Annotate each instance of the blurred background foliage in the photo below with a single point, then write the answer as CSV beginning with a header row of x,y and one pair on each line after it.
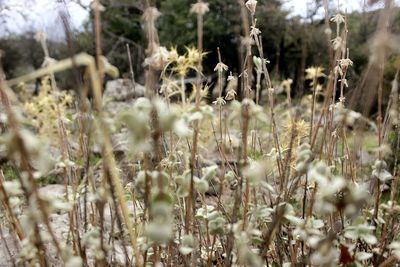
x,y
291,43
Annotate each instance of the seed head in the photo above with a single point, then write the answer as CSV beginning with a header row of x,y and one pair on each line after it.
x,y
95,4
230,95
314,73
338,19
345,63
254,32
337,43
219,102
221,67
158,59
251,6
200,8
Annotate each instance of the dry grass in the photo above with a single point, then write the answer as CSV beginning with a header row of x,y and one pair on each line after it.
x,y
290,183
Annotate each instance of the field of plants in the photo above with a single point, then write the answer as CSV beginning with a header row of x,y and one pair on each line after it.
x,y
184,163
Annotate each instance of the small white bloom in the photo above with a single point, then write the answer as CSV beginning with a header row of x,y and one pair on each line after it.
x,y
221,67
181,128
200,8
231,77
345,62
395,246
258,63
362,256
96,4
254,32
255,172
361,231
338,19
380,171
13,188
230,95
74,262
337,43
251,6
158,59
187,245
219,102
231,87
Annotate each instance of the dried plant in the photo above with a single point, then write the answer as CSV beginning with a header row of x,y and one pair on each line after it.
x,y
194,182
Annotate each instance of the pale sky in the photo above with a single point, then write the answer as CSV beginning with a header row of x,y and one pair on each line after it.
x,y
43,15
299,7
